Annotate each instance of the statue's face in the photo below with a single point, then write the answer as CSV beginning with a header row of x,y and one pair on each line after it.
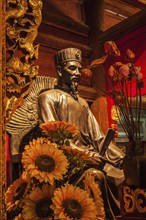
x,y
71,72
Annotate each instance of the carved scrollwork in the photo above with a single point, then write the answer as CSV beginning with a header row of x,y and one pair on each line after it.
x,y
23,18
134,200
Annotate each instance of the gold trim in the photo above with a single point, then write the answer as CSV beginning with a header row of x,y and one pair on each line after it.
x,y
22,21
134,200
17,67
2,112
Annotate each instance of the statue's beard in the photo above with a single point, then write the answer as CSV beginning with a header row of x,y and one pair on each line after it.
x,y
70,87
74,87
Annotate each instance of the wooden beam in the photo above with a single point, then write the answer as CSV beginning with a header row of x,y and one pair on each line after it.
x,y
121,7
128,25
136,3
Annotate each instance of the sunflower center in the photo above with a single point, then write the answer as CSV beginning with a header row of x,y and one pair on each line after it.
x,y
43,209
20,191
73,208
45,163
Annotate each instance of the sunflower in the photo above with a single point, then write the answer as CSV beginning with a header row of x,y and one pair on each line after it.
x,y
72,203
37,203
94,191
44,161
79,161
59,131
14,193
53,125
78,153
25,176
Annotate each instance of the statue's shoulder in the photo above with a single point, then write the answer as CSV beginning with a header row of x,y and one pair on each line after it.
x,y
49,95
48,92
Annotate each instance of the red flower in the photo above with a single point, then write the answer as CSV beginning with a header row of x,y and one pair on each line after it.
x,y
86,73
111,48
137,70
130,56
124,70
117,65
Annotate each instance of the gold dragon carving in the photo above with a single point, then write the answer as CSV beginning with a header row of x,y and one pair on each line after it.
x,y
23,18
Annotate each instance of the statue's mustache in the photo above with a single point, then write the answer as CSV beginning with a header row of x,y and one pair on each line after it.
x,y
75,78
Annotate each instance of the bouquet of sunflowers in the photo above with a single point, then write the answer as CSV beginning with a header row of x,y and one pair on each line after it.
x,y
52,184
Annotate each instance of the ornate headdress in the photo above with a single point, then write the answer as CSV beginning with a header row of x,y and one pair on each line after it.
x,y
68,54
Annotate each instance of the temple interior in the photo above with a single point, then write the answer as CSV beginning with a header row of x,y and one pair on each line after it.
x,y
111,36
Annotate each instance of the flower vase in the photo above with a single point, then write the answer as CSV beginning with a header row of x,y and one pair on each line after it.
x,y
134,165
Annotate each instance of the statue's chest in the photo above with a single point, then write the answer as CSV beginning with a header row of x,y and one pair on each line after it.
x,y
71,108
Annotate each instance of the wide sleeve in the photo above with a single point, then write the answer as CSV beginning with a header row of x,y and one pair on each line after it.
x,y
95,131
113,153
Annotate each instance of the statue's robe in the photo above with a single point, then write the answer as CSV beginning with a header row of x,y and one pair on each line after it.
x,y
59,105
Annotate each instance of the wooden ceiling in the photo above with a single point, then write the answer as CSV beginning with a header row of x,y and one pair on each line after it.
x,y
116,11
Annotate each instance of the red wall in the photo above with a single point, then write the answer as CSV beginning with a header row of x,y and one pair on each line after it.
x,y
135,41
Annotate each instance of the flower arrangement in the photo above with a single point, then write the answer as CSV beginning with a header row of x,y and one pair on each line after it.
x,y
52,184
125,83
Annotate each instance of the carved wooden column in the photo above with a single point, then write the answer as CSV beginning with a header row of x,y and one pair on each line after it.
x,y
2,112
